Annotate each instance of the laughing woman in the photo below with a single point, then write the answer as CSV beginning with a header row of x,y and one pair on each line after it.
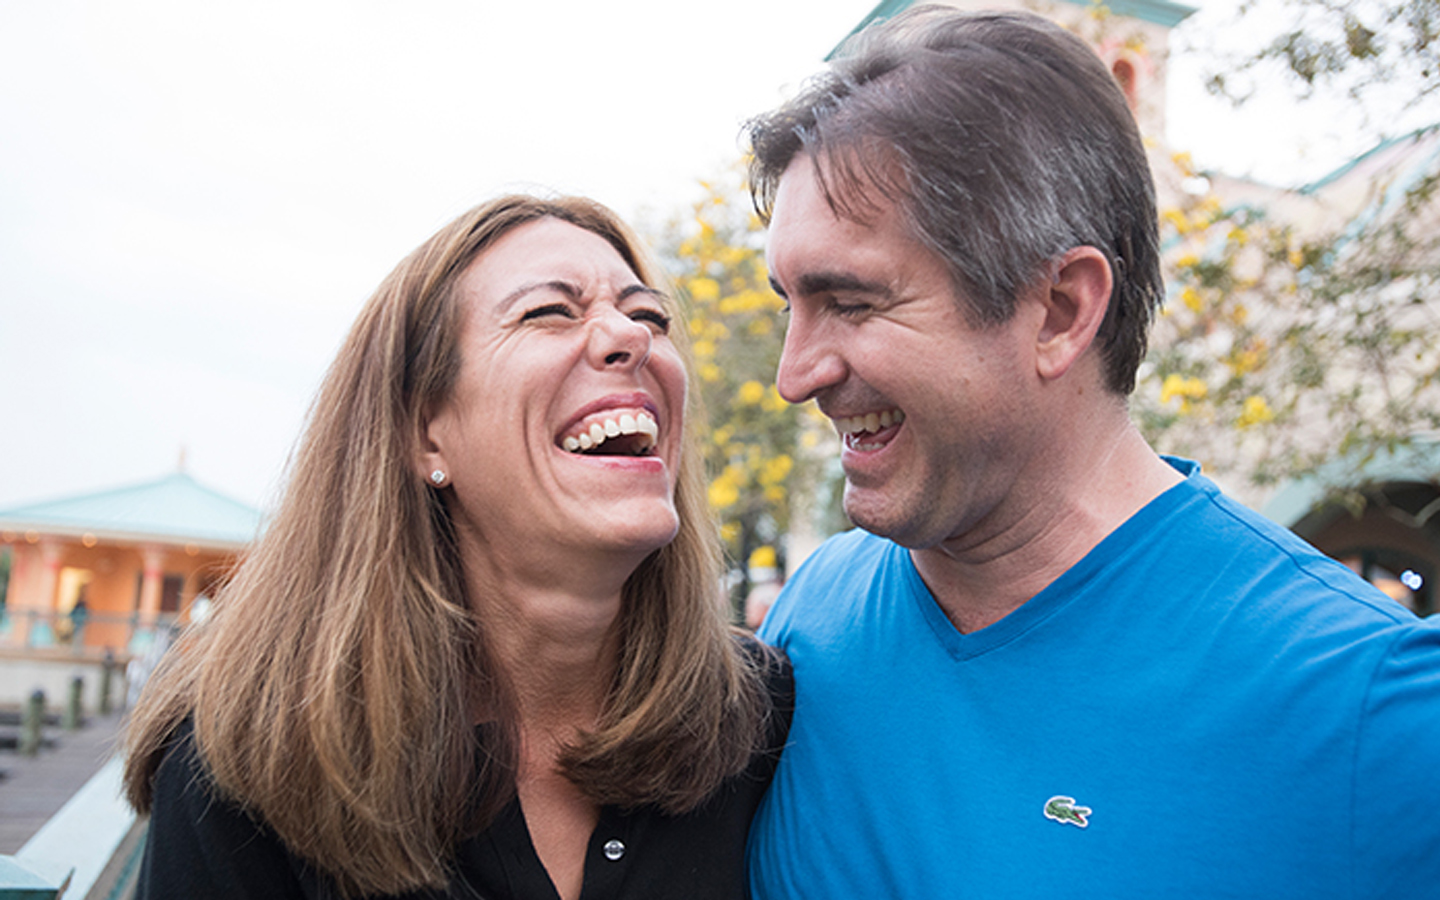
x,y
478,651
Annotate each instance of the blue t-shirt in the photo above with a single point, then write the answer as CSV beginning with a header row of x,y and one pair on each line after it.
x,y
1204,706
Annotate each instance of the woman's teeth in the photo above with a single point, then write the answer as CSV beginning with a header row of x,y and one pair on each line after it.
x,y
601,430
870,422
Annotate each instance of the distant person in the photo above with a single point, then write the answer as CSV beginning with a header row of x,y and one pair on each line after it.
x,y
479,651
1052,664
79,615
767,585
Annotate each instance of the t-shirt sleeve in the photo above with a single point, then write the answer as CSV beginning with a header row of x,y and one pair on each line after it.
x,y
200,845
1397,776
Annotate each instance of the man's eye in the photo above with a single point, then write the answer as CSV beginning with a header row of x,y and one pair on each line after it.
x,y
549,309
849,309
653,317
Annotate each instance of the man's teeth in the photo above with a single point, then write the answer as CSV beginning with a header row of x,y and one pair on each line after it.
x,y
602,430
870,422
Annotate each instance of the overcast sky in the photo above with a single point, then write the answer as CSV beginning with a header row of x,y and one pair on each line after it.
x,y
196,198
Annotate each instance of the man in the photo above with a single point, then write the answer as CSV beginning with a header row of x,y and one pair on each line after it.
x,y
1052,664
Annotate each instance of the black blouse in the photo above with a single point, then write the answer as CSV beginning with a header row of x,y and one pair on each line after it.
x,y
202,846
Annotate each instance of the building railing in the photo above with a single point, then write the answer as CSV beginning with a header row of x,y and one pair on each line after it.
x,y
121,633
89,850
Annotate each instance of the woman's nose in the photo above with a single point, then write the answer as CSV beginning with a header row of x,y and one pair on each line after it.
x,y
618,340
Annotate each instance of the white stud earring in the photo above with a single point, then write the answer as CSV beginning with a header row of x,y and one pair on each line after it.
x,y
438,477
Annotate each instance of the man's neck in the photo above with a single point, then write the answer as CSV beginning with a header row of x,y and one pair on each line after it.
x,y
981,577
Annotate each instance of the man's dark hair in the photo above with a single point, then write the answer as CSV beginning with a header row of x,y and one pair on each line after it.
x,y
1003,140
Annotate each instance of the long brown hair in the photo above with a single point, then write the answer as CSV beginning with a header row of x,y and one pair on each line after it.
x,y
333,691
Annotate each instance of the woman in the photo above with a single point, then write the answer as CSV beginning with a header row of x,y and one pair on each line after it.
x,y
478,652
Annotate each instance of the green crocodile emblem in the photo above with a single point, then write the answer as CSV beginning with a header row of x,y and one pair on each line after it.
x,y
1063,810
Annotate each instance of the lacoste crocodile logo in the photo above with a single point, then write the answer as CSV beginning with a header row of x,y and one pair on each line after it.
x,y
1064,810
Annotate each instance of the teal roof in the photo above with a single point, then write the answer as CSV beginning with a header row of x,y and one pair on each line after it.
x,y
1417,461
174,509
1159,12
1414,137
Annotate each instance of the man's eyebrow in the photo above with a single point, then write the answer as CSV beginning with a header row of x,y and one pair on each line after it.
x,y
813,283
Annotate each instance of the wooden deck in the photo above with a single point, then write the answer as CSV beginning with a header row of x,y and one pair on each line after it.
x,y
33,789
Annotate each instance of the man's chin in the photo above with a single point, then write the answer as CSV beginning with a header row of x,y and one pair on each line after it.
x,y
904,521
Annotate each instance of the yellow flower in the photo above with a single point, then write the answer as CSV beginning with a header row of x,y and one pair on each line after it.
x,y
1238,236
750,393
773,402
776,470
763,557
704,349
1177,220
1184,163
1186,389
1188,261
730,532
704,290
724,493
1191,298
1247,359
760,327
710,373
1255,412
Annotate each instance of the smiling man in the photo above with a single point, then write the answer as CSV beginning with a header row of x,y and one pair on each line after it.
x,y
1051,660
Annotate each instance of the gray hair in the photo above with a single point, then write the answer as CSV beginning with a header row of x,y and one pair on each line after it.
x,y
1003,140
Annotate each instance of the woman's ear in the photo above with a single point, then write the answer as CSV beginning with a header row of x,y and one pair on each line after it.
x,y
429,453
1075,302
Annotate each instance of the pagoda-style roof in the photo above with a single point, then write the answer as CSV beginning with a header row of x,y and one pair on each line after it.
x,y
174,509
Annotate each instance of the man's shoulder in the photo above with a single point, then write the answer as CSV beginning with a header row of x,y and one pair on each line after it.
x,y
1244,563
852,548
851,559
837,575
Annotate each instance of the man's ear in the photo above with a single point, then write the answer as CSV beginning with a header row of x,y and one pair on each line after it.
x,y
1075,301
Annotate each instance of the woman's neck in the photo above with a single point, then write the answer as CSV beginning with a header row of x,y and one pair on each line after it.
x,y
559,651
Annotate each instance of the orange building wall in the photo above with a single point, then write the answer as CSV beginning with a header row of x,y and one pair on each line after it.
x,y
114,592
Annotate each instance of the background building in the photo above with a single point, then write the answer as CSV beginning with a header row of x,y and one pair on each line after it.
x,y
101,575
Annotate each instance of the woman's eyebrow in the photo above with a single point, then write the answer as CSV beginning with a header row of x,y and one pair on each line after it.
x,y
572,291
563,287
632,290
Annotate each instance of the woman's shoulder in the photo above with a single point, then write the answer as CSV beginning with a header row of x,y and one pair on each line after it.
x,y
779,680
773,666
202,843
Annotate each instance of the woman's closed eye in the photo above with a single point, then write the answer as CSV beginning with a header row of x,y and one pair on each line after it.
x,y
548,309
656,319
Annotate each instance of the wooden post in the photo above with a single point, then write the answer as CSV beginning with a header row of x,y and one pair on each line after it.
x,y
72,706
107,674
32,724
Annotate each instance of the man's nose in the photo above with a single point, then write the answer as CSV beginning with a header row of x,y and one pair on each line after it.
x,y
808,364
